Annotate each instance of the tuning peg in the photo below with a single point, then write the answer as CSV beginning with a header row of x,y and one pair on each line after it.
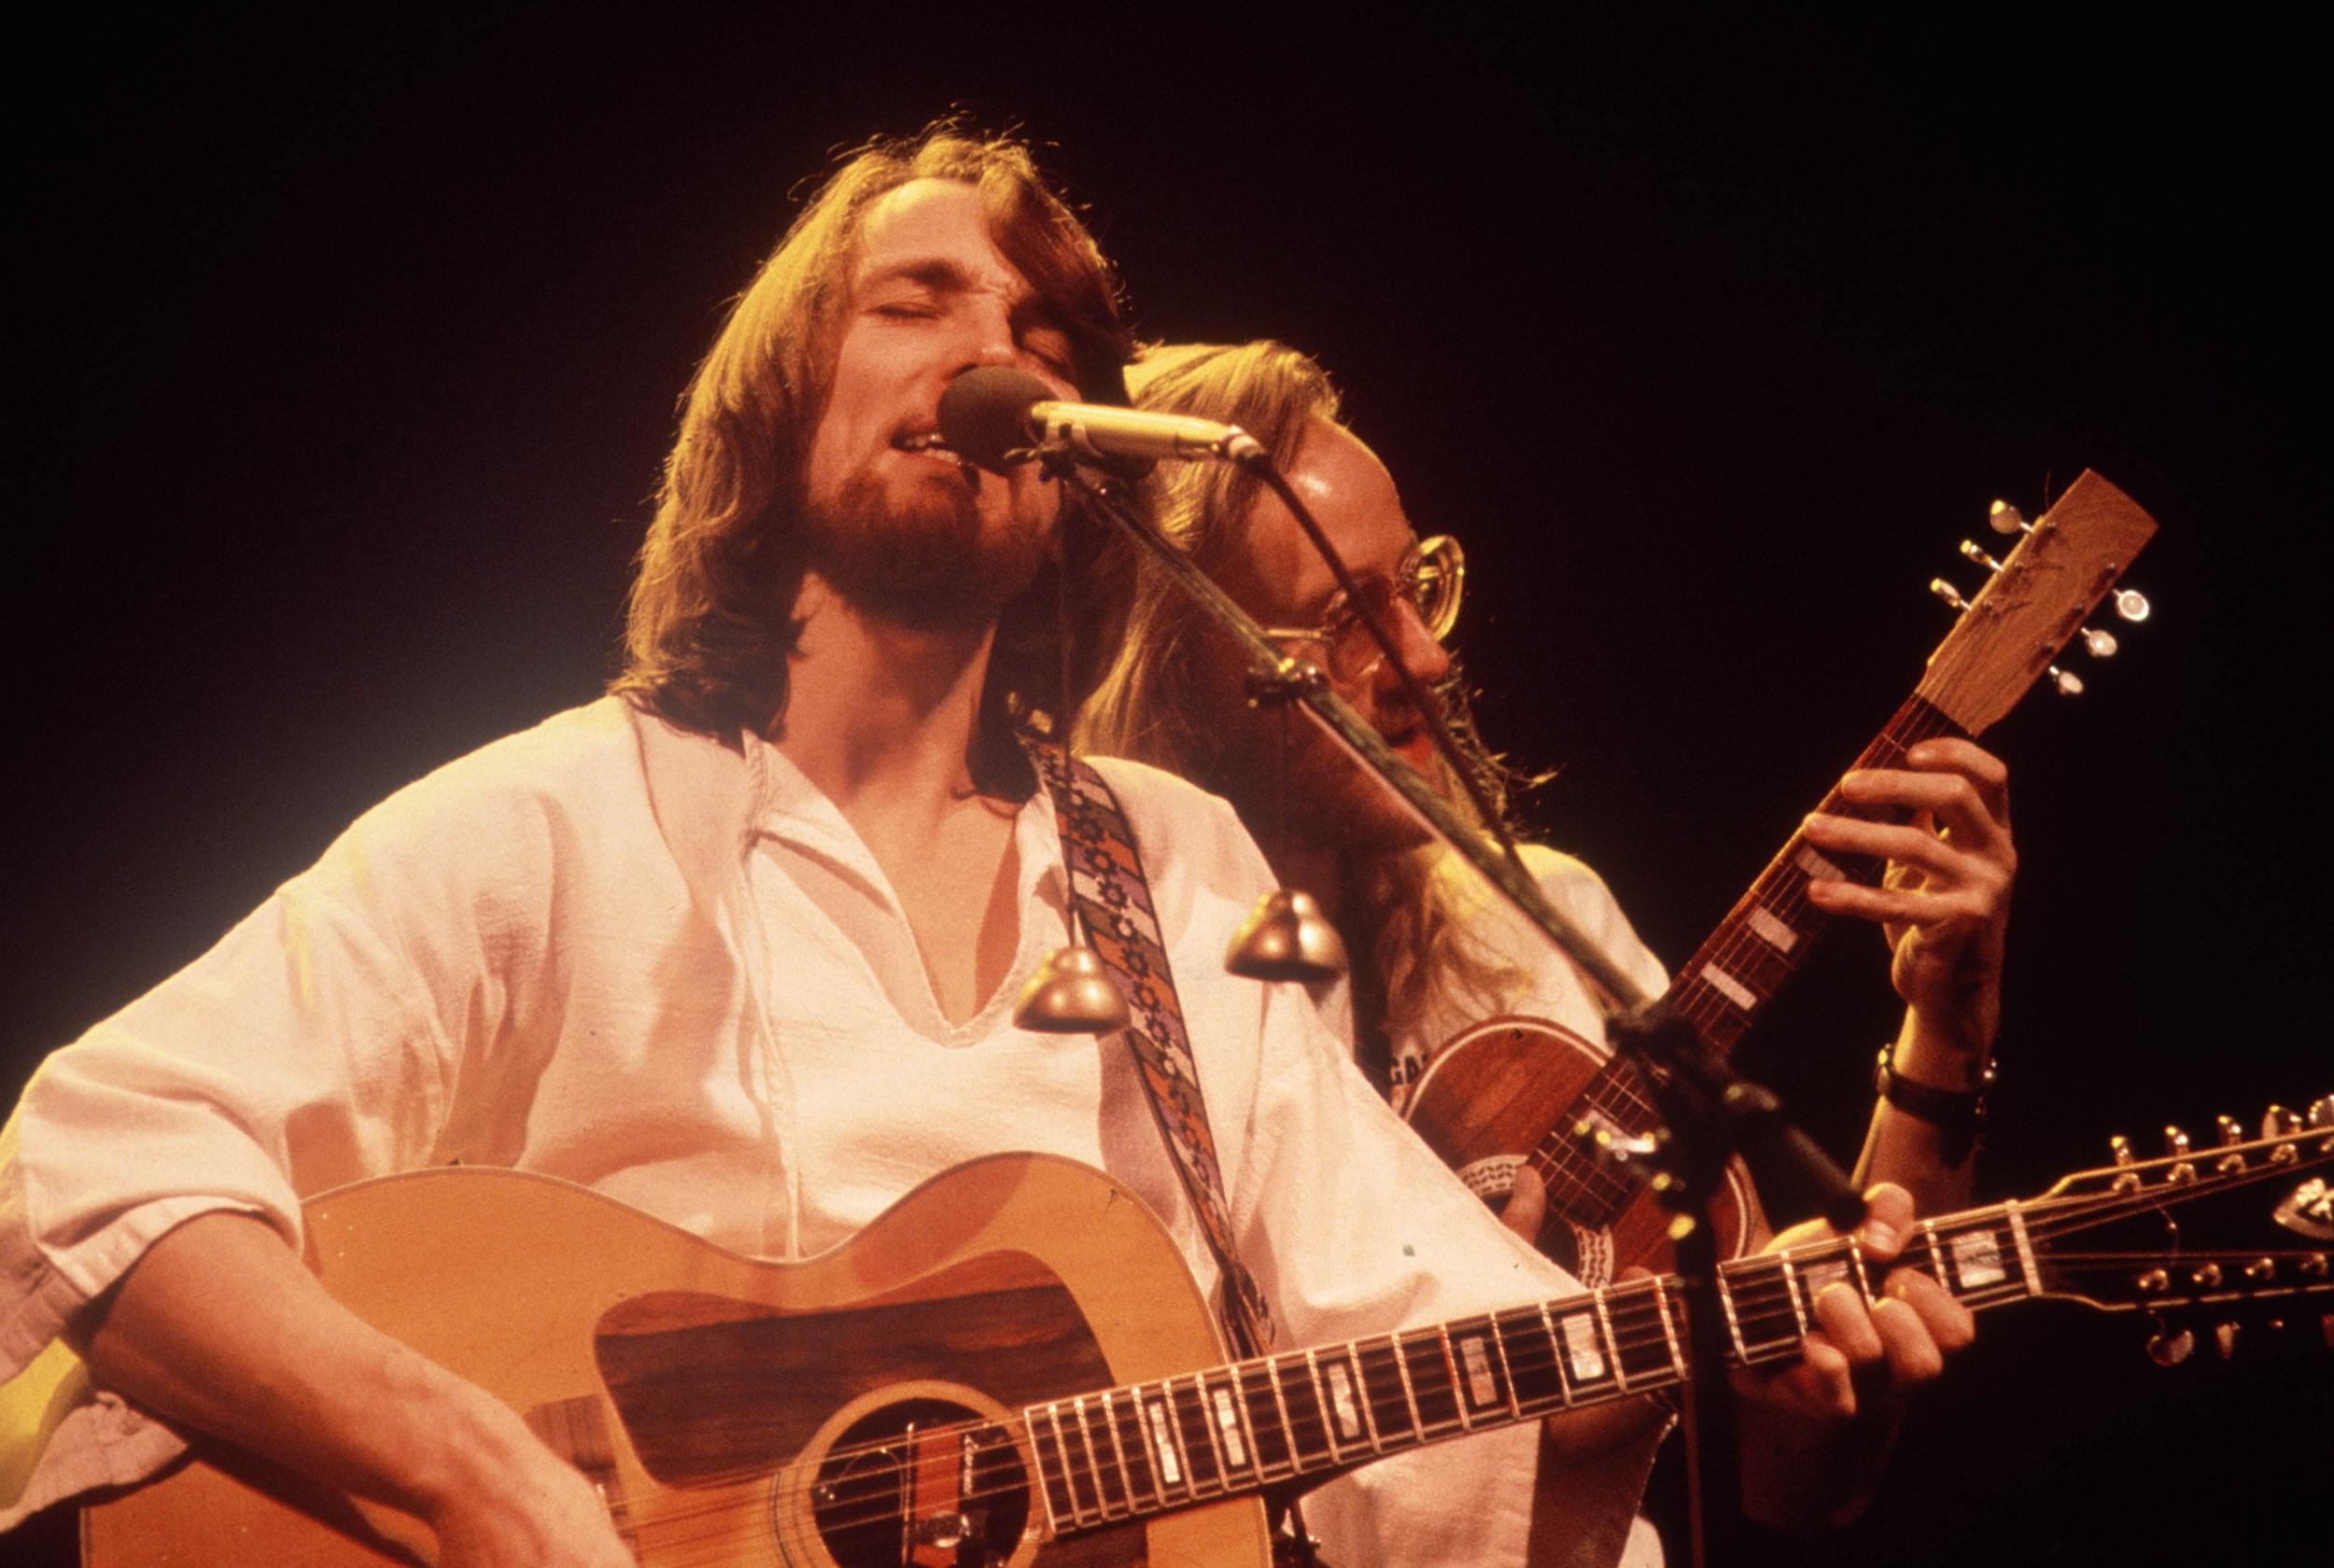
x,y
1976,553
2261,1270
2120,1147
2175,1142
2276,1122
2322,1113
2132,605
2170,1350
1946,592
2206,1276
2224,1339
2004,518
2099,644
2229,1132
2065,682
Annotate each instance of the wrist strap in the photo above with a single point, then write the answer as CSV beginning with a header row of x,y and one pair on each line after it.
x,y
1960,1115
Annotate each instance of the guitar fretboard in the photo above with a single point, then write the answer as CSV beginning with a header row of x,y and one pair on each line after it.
x,y
1148,1447
1720,990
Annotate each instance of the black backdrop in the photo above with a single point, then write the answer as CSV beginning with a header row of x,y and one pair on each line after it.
x,y
350,347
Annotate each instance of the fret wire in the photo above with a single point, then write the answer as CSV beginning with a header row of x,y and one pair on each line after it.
x,y
1094,1461
1507,1368
1856,1266
1207,1430
2025,1248
1162,1420
1361,1391
1461,1390
1069,1485
1936,1255
1669,1329
1555,1347
1410,1394
1245,1420
1118,1447
1795,1291
1612,1347
1288,1427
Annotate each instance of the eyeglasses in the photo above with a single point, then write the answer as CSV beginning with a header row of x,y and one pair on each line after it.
x,y
1429,578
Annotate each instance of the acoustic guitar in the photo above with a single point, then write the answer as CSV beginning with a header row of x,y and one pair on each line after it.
x,y
1514,1091
1012,1365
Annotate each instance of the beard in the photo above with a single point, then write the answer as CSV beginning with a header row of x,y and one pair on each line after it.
x,y
930,562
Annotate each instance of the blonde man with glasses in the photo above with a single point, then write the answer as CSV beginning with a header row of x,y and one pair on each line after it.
x,y
1430,951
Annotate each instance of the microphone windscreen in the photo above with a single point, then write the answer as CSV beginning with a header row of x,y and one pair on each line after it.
x,y
984,414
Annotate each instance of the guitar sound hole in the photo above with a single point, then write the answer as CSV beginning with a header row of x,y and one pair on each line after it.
x,y
922,1482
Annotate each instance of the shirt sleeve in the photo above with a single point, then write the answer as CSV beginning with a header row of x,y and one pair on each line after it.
x,y
316,1043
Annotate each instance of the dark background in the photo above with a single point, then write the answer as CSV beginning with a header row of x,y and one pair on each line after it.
x,y
349,350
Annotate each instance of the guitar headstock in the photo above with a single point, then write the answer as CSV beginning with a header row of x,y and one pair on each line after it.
x,y
2034,602
2184,1231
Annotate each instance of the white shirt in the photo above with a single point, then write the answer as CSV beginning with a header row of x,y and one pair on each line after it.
x,y
665,968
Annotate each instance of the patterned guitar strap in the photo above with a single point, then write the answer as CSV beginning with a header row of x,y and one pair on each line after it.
x,y
1113,902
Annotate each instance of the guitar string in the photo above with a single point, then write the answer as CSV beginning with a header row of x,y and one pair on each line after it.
x,y
1645,1330
1742,954
2042,1225
1131,1488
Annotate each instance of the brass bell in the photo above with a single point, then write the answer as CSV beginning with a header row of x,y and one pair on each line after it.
x,y
1071,994
1287,937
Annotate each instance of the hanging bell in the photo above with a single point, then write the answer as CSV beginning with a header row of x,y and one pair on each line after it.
x,y
1069,994
1287,937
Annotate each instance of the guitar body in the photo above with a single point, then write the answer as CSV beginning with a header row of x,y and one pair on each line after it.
x,y
717,1400
1490,1097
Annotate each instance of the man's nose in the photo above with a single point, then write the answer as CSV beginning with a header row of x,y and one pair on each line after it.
x,y
1427,660
990,337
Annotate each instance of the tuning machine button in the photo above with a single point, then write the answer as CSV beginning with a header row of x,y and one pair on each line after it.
x,y
2004,518
2207,1277
1976,551
2321,1113
2065,682
2099,644
1949,594
2224,1339
2132,605
2170,1350
2276,1122
2261,1270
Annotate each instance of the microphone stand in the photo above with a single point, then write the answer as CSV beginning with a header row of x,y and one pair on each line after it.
x,y
1711,1112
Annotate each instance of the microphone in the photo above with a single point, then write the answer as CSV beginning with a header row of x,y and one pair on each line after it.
x,y
993,410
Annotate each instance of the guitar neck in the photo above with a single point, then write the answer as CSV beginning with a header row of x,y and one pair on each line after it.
x,y
1770,931
2034,603
1720,989
1281,1420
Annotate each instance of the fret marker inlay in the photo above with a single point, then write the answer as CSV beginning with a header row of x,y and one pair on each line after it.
x,y
1978,1260
1580,1339
1815,866
1728,986
1170,1468
1821,1277
1228,1426
1341,1399
1778,935
1481,1387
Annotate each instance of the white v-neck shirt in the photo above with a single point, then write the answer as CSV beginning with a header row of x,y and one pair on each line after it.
x,y
667,969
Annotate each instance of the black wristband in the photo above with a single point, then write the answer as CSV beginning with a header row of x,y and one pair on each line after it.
x,y
1960,1115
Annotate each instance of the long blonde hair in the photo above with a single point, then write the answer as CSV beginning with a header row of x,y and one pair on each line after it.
x,y
1409,911
708,623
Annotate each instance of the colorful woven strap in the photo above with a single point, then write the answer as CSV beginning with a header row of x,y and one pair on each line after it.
x,y
1113,902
